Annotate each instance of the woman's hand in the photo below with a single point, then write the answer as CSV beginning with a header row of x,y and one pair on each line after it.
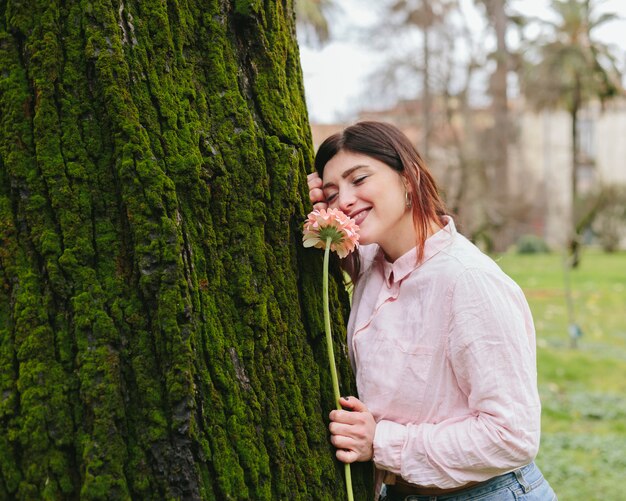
x,y
352,431
316,195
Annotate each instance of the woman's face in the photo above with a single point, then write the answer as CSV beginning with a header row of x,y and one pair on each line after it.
x,y
373,194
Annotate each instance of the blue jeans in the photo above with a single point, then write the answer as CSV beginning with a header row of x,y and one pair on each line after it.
x,y
524,484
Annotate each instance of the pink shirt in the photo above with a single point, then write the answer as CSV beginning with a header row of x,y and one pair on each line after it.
x,y
444,356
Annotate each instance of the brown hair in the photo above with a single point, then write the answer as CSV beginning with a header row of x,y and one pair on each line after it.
x,y
386,143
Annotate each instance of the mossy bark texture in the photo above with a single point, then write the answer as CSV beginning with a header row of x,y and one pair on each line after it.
x,y
161,332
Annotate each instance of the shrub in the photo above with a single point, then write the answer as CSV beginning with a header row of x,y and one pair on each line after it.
x,y
531,244
610,221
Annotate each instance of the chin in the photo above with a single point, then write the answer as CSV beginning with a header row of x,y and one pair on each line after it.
x,y
363,240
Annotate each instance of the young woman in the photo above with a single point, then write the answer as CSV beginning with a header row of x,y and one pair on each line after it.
x,y
441,340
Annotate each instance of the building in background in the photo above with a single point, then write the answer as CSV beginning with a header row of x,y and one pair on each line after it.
x,y
543,158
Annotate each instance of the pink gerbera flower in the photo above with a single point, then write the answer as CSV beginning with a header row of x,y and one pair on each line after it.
x,y
331,229
322,225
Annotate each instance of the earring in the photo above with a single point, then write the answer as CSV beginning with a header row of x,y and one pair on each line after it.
x,y
407,199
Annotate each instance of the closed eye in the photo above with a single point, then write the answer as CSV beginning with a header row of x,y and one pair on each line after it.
x,y
359,180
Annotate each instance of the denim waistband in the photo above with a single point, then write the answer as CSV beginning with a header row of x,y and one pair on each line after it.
x,y
526,477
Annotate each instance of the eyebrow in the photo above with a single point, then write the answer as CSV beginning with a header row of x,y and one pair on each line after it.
x,y
345,174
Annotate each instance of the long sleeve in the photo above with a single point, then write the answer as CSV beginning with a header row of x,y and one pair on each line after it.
x,y
490,349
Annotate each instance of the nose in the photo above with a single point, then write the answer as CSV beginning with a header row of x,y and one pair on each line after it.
x,y
345,200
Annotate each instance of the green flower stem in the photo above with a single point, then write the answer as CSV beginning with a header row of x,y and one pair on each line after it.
x,y
331,356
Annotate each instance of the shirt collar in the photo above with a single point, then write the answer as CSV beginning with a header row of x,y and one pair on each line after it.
x,y
398,270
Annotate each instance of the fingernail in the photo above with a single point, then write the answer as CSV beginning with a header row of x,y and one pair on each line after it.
x,y
346,398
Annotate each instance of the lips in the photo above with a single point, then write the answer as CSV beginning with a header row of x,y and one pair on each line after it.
x,y
360,216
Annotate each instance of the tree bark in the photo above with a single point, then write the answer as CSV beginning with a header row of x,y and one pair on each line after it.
x,y
500,99
574,242
426,94
161,332
499,185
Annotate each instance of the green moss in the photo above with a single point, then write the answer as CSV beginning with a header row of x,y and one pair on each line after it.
x,y
247,7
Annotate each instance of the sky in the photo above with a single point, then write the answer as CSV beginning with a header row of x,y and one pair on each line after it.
x,y
335,76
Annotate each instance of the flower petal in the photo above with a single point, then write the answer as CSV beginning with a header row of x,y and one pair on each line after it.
x,y
334,224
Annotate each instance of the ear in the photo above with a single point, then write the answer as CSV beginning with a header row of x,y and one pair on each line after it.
x,y
406,183
415,173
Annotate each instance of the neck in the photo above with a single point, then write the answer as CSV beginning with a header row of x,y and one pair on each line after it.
x,y
406,239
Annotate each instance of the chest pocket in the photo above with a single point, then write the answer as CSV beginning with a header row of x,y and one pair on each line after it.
x,y
392,374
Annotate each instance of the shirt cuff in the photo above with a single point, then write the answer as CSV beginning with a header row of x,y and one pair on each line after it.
x,y
389,440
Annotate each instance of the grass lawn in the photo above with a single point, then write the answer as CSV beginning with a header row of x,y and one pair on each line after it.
x,y
583,390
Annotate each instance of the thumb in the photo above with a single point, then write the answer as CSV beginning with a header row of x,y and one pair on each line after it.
x,y
352,404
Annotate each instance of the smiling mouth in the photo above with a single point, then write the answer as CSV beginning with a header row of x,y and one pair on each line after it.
x,y
360,216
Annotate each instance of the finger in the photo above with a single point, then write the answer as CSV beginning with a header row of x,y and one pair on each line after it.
x,y
343,442
317,195
346,445
353,404
346,456
340,429
320,205
346,417
314,181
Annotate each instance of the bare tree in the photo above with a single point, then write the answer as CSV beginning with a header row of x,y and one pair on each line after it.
x,y
569,67
406,20
500,134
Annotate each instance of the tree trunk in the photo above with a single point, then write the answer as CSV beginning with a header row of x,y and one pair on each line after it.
x,y
426,95
501,102
574,243
161,332
500,137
